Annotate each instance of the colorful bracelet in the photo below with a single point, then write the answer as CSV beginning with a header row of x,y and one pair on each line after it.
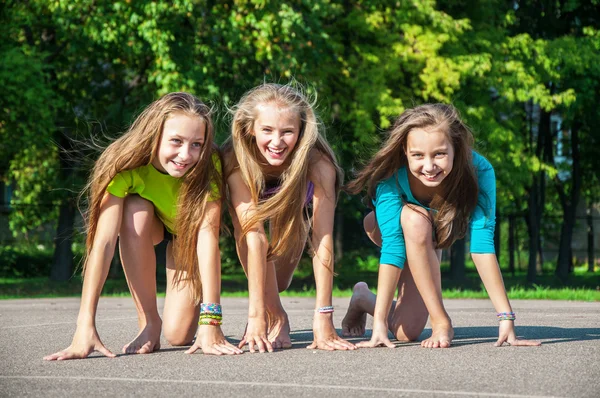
x,y
210,322
506,316
211,308
211,316
325,310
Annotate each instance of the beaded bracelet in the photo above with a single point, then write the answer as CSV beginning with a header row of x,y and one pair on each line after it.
x,y
211,316
211,322
506,316
211,308
325,310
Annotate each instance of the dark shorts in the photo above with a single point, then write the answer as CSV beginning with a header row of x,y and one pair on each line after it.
x,y
167,236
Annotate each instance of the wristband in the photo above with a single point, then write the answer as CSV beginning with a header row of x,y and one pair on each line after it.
x,y
211,322
506,316
325,310
211,308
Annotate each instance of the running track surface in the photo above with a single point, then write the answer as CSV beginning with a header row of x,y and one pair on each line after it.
x,y
566,365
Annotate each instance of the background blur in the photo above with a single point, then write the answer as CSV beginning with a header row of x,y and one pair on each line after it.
x,y
524,74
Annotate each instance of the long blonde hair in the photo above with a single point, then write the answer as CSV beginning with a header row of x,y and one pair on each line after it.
x,y
138,147
459,193
285,209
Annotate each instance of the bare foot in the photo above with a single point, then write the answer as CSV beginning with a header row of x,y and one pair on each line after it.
x,y
147,341
441,336
355,321
279,330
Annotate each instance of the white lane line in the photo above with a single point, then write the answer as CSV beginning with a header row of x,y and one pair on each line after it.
x,y
292,385
64,323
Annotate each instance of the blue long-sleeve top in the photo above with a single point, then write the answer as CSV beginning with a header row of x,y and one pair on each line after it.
x,y
394,192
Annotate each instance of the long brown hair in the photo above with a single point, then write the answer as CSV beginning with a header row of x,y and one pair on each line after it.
x,y
138,147
285,209
458,197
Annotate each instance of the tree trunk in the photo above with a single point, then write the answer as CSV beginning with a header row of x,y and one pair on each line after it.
x,y
569,205
518,248
511,244
62,267
534,231
564,248
536,193
540,268
457,260
590,245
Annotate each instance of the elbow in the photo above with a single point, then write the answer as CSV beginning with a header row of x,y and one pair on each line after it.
x,y
257,241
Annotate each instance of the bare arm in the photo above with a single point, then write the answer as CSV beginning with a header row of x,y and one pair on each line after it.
x,y
209,256
387,283
86,339
98,264
210,337
256,241
323,177
322,231
489,271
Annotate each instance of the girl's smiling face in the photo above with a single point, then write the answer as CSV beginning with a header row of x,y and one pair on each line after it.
x,y
276,131
430,156
181,141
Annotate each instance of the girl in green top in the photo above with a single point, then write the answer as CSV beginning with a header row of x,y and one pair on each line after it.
x,y
165,162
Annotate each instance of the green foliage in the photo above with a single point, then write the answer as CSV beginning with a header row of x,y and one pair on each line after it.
x,y
74,70
34,172
27,155
370,263
25,261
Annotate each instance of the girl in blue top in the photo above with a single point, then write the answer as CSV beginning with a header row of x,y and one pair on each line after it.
x,y
427,187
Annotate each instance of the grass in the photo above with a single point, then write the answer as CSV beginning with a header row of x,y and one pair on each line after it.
x,y
23,262
582,287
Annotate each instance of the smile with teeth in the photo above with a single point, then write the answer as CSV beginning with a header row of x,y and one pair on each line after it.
x,y
179,165
275,151
430,176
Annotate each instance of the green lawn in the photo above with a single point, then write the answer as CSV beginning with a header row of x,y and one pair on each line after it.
x,y
19,262
581,287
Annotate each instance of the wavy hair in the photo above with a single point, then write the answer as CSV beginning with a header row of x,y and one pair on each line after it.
x,y
138,147
458,197
285,209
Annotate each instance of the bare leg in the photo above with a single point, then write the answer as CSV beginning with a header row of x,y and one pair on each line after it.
x,y
363,300
140,231
425,269
361,304
408,315
180,314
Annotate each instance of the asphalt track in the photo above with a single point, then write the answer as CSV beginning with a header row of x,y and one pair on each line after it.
x,y
566,365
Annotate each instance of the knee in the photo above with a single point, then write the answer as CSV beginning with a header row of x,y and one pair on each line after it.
x,y
285,274
133,204
410,335
372,229
177,335
404,332
369,222
284,285
416,225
